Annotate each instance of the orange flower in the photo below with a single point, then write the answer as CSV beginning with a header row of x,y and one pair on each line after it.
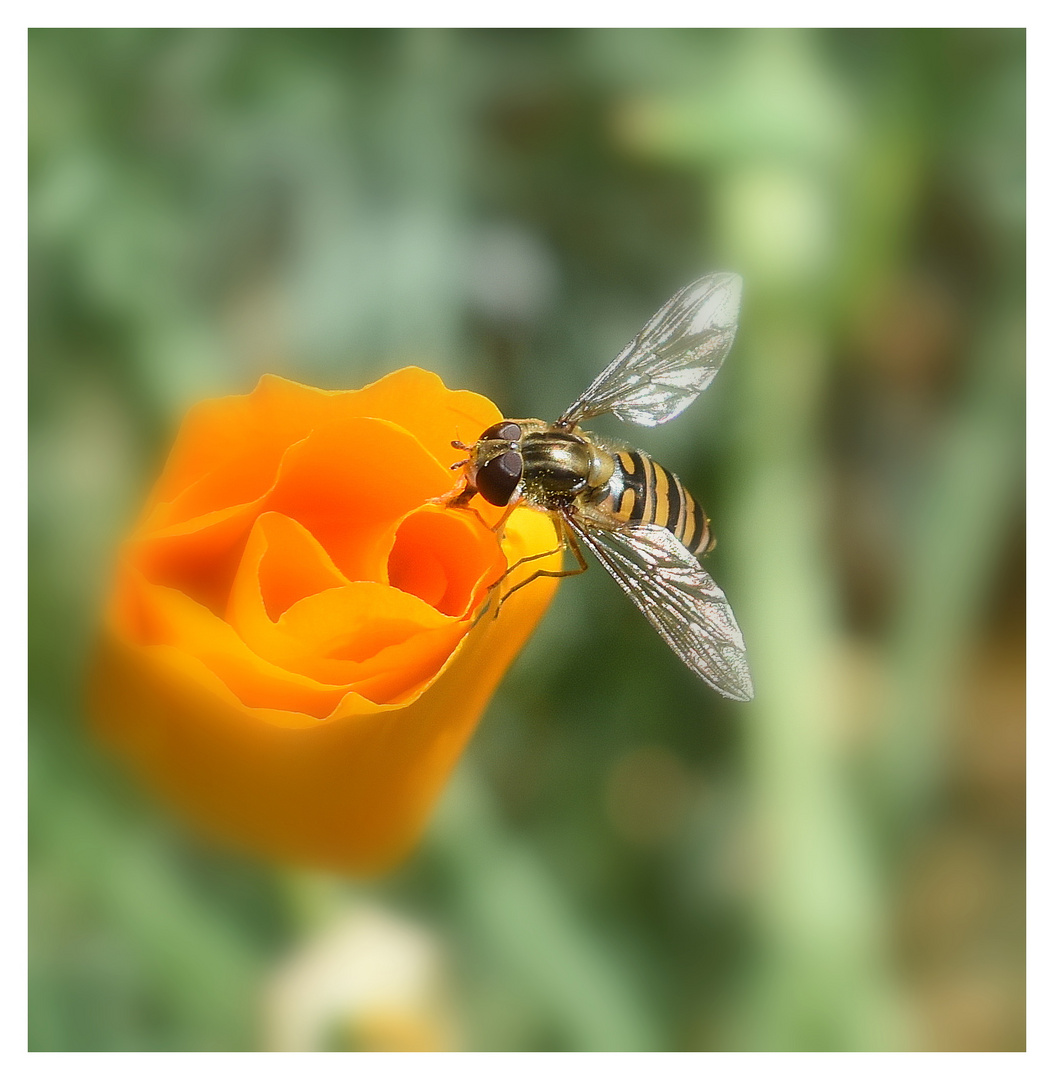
x,y
289,652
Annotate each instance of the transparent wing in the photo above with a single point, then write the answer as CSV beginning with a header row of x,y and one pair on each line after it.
x,y
671,361
679,598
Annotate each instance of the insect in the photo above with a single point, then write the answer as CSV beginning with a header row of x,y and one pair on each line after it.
x,y
634,515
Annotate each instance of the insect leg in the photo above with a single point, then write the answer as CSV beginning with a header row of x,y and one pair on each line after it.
x,y
499,527
570,541
530,558
461,500
508,570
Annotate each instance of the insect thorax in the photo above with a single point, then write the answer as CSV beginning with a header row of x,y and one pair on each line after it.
x,y
560,466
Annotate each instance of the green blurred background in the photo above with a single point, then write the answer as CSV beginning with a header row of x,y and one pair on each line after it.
x,y
624,860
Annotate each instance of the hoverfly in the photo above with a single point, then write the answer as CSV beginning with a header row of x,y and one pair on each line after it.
x,y
635,516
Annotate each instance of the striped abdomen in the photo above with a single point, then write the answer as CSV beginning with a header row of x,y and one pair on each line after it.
x,y
641,491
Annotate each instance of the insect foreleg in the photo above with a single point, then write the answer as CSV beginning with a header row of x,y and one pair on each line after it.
x,y
499,527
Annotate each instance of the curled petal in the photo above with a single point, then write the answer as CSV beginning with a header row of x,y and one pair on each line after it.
x,y
348,792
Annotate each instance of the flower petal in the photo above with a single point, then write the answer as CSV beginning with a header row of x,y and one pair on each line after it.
x,y
350,793
350,502
366,636
163,616
228,449
417,400
446,557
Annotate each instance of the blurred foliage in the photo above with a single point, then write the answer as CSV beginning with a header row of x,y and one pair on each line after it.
x,y
624,861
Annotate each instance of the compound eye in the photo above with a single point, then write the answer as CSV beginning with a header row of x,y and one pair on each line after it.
x,y
505,431
497,479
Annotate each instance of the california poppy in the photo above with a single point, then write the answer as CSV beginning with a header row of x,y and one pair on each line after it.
x,y
293,653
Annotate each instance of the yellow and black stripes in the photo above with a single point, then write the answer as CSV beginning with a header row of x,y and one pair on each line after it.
x,y
645,492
